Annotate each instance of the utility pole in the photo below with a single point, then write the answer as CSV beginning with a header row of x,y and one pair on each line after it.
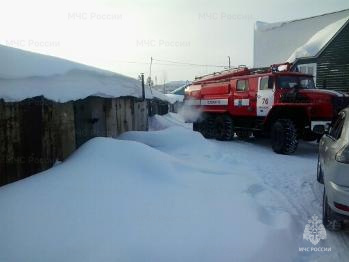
x,y
143,88
151,63
229,61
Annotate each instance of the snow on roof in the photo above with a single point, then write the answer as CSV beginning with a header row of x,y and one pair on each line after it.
x,y
25,74
276,42
180,90
174,98
318,41
263,26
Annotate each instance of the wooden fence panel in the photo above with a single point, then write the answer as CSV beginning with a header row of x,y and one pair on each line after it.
x,y
36,132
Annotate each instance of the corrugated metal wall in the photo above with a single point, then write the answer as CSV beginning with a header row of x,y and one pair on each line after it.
x,y
333,64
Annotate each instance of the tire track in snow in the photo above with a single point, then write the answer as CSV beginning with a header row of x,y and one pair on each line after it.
x,y
296,182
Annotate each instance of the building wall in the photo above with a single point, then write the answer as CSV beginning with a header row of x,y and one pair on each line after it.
x,y
333,63
37,132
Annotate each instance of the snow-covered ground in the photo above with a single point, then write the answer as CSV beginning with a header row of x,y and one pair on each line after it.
x,y
167,195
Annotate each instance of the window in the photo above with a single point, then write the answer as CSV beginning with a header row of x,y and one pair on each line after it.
x,y
337,127
309,69
301,82
266,82
242,85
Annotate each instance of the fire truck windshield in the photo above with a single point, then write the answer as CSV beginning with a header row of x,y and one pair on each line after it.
x,y
301,82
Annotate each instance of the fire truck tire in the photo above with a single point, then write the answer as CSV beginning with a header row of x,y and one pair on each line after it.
x,y
196,126
207,128
224,128
284,137
243,134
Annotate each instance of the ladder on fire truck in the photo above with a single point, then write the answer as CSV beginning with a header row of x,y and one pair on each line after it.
x,y
240,71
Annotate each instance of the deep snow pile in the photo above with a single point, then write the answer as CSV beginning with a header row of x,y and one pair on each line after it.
x,y
16,63
119,200
25,74
167,195
73,85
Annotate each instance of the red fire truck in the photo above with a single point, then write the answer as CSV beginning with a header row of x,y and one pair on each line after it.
x,y
274,102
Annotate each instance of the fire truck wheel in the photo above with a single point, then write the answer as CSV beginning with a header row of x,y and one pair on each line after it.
x,y
284,137
224,128
243,134
197,126
208,127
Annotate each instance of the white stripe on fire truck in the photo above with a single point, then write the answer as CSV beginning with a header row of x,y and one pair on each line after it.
x,y
241,102
214,102
192,102
207,102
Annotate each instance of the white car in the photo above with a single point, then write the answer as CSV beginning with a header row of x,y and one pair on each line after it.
x,y
333,171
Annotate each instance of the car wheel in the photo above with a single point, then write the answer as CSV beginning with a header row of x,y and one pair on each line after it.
x,y
328,219
319,173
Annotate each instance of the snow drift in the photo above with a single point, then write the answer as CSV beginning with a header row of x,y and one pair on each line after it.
x,y
150,199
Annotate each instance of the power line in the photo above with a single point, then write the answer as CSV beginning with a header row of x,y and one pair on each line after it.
x,y
189,64
170,63
131,62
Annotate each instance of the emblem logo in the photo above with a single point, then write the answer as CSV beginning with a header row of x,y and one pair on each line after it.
x,y
314,231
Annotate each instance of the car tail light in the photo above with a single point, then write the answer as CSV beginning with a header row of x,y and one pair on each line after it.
x,y
341,207
343,155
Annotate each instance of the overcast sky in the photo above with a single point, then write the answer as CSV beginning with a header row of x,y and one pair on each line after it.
x,y
122,35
